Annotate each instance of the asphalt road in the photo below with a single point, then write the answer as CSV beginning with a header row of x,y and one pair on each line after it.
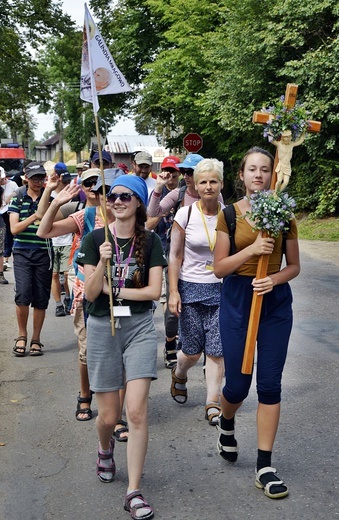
x,y
47,458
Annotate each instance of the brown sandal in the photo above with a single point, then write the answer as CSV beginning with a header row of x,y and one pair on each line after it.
x,y
178,392
37,350
20,351
212,417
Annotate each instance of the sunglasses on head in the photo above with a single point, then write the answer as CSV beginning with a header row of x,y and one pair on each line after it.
x,y
187,171
88,183
124,197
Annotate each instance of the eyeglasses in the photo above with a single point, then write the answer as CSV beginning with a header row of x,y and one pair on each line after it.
x,y
38,178
187,171
88,183
124,197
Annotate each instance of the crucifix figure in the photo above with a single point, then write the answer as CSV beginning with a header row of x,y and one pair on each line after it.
x,y
285,150
287,145
284,172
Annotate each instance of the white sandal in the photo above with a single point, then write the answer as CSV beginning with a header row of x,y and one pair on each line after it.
x,y
268,487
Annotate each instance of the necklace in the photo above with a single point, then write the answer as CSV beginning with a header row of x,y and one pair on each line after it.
x,y
121,248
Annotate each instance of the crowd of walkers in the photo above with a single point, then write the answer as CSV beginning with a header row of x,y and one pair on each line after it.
x,y
112,251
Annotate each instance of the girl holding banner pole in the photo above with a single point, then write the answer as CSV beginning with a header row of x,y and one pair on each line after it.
x,y
275,325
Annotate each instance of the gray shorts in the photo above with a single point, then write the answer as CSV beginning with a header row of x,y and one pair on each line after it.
x,y
130,354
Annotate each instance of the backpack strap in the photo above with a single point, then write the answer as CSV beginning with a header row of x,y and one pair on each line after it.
x,y
181,197
231,221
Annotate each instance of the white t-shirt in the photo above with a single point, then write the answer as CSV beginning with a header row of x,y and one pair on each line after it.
x,y
9,188
61,240
197,252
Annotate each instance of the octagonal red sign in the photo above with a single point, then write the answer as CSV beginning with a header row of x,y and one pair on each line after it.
x,y
193,142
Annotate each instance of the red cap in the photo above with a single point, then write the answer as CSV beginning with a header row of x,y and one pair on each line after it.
x,y
170,162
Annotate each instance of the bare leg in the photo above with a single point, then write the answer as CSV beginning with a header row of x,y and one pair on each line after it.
x,y
38,321
136,408
84,389
184,363
228,409
56,287
214,375
108,414
67,293
22,313
267,425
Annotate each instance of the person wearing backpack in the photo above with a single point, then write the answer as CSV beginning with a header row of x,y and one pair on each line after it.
x,y
195,290
169,205
129,358
80,223
239,273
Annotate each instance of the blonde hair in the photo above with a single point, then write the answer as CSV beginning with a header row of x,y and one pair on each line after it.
x,y
209,165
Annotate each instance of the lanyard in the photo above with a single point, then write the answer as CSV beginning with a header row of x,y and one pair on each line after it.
x,y
123,274
210,242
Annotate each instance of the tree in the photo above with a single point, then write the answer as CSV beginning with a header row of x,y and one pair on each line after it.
x,y
22,84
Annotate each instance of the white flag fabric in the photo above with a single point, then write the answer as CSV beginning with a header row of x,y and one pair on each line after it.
x,y
99,73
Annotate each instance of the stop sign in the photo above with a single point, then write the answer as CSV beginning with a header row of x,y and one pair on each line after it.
x,y
193,142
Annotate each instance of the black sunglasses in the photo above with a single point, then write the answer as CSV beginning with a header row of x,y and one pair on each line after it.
x,y
187,171
124,197
88,183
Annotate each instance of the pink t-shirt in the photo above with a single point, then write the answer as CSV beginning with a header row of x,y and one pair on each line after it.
x,y
78,285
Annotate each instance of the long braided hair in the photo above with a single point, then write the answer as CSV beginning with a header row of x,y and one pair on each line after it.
x,y
140,243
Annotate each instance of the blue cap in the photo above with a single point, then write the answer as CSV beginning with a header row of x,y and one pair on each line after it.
x,y
60,168
134,183
110,175
106,156
190,161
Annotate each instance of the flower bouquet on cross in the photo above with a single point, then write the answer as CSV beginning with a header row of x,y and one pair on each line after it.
x,y
285,128
294,120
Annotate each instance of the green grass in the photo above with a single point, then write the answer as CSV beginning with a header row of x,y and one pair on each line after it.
x,y
318,229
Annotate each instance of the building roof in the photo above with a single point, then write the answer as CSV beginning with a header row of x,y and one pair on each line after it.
x,y
130,143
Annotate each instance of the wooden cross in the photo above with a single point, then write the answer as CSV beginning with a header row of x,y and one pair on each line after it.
x,y
253,324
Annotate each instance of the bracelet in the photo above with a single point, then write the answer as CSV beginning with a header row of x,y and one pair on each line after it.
x,y
115,291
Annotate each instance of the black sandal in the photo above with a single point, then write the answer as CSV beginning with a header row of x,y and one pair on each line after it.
x,y
120,431
20,351
37,350
87,411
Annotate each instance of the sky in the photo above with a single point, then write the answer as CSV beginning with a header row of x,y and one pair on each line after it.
x,y
76,9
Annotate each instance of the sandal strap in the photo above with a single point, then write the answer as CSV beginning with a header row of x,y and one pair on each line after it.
x,y
176,379
266,469
133,509
225,432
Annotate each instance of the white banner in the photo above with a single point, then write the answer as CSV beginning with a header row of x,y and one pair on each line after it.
x,y
99,73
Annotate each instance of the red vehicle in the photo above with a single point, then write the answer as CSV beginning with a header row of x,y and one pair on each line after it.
x,y
12,157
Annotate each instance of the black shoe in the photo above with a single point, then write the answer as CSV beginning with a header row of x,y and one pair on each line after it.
x,y
3,280
60,311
